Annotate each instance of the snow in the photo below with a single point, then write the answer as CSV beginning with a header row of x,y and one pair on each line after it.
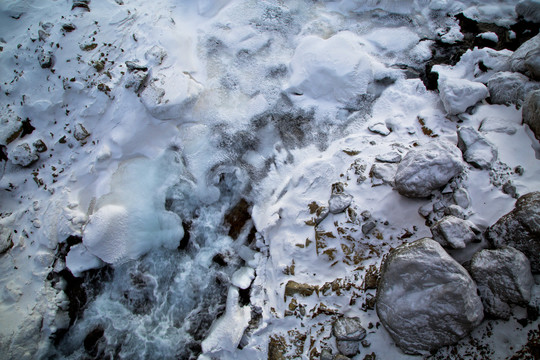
x,y
267,101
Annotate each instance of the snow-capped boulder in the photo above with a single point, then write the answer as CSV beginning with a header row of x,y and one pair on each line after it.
x,y
339,202
509,88
23,155
520,228
382,174
459,94
243,277
503,277
531,112
454,232
426,169
425,298
337,68
497,124
169,94
525,58
477,150
349,332
529,10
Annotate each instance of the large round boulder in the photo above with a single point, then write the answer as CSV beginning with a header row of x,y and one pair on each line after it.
x,y
520,228
428,168
426,299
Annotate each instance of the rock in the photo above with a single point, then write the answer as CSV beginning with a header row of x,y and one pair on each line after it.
x,y
524,57
80,133
477,150
46,59
532,63
243,277
503,277
136,80
170,93
461,198
339,202
383,174
156,55
293,288
426,169
496,124
135,66
341,357
379,128
454,232
531,112
326,354
367,227
457,95
23,155
529,10
40,146
510,189
509,88
391,157
520,229
68,27
349,333
426,299
457,211
10,129
6,239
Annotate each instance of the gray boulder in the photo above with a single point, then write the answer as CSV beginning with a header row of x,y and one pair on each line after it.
x,y
510,88
497,124
531,112
477,150
425,298
426,169
382,174
520,228
349,333
525,58
453,232
529,10
503,277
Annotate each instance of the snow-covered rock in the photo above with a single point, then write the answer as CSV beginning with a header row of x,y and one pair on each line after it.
x,y
79,260
339,202
243,277
477,150
379,128
428,168
337,68
497,124
426,299
454,232
509,88
383,174
6,239
459,94
23,155
531,112
525,58
462,198
226,332
10,128
520,229
529,10
503,277
349,332
391,157
169,94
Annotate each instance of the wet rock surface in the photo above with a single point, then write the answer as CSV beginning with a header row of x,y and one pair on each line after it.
x,y
503,277
454,232
531,112
477,150
425,299
348,333
520,229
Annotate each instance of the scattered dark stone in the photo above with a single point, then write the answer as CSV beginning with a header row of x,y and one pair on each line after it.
x,y
3,153
62,140
88,47
519,170
46,59
104,88
510,189
292,288
185,240
69,27
237,217
40,146
83,4
368,227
